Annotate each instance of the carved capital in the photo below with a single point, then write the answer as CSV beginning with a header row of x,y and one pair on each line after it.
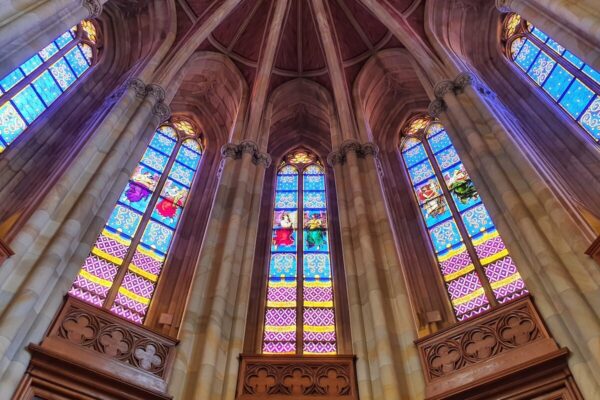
x,y
503,5
162,111
334,158
436,108
463,80
263,159
443,88
229,150
138,86
361,150
155,91
235,151
248,146
94,7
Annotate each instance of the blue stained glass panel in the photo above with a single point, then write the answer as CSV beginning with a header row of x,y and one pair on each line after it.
x,y
48,51
445,235
136,196
155,160
477,220
435,211
166,212
592,73
11,122
188,157
576,98
175,192
528,53
77,61
317,266
64,39
439,142
31,65
590,119
447,158
163,144
287,182
47,88
168,131
62,73
11,80
29,104
283,264
555,46
557,82
314,199
181,174
157,236
540,35
286,200
414,155
573,59
428,190
420,172
541,68
314,182
124,220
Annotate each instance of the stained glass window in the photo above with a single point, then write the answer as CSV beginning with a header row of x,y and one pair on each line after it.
x,y
29,90
123,268
475,264
300,317
571,83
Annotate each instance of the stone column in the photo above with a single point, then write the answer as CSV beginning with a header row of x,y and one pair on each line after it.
x,y
33,280
31,31
212,331
382,325
547,245
573,24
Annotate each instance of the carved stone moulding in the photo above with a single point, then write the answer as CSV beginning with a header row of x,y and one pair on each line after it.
x,y
86,345
287,377
5,251
507,351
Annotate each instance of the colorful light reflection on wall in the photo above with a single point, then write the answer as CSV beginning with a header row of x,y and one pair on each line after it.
x,y
299,306
31,88
127,259
571,83
452,211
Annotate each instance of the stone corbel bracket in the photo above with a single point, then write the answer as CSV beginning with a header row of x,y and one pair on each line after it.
x,y
235,151
456,87
94,7
362,151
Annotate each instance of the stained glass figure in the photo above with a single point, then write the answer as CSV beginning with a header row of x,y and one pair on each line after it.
x,y
30,89
474,262
300,316
123,268
572,84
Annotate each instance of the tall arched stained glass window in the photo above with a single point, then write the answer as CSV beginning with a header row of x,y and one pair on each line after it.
x,y
474,262
572,84
29,90
300,317
122,270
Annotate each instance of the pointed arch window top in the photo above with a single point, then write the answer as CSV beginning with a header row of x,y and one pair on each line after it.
x,y
571,84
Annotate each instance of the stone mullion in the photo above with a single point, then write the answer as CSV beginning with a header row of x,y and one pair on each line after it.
x,y
135,241
300,264
575,26
546,245
489,293
18,41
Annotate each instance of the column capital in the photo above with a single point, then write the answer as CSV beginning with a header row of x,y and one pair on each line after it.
x,y
93,6
138,86
162,111
503,5
155,91
235,152
362,151
460,83
436,108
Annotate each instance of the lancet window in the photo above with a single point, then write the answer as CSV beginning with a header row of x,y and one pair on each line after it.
x,y
126,261
476,267
300,315
571,83
30,89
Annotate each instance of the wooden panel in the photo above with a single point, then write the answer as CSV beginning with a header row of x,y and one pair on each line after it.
x,y
275,377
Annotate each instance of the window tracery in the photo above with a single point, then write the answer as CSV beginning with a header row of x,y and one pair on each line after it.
x,y
476,267
126,261
30,89
300,314
571,83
